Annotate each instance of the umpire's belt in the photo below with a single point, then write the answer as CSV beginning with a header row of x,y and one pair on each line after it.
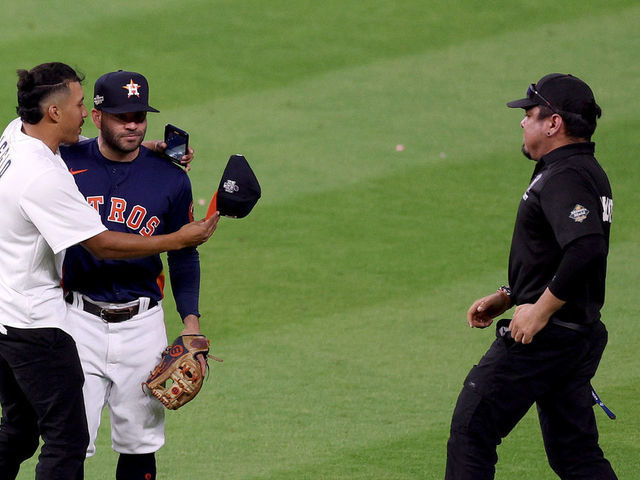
x,y
109,315
578,327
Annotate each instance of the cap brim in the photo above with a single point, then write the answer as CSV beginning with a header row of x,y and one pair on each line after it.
x,y
522,103
129,109
213,206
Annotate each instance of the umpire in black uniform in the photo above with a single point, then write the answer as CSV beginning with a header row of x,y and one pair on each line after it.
x,y
550,350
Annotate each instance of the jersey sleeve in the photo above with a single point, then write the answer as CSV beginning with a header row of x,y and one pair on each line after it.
x,y
181,210
571,206
59,211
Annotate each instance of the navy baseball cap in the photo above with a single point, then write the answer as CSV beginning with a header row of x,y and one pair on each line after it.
x,y
561,93
122,92
238,191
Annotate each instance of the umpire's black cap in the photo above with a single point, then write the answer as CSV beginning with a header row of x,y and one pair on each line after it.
x,y
561,93
238,191
122,92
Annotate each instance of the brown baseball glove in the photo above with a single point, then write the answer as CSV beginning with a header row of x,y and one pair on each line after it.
x,y
177,379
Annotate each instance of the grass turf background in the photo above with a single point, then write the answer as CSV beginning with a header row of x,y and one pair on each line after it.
x,y
339,304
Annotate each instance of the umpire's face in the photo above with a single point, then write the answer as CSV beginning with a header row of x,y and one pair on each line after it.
x,y
123,132
535,139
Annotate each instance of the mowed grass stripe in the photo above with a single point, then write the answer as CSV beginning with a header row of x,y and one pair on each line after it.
x,y
225,46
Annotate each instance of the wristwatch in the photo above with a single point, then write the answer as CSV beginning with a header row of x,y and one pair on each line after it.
x,y
505,290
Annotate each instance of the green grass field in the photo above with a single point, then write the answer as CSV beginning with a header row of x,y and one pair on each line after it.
x,y
339,304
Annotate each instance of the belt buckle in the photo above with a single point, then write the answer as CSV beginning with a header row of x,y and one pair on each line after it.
x,y
115,316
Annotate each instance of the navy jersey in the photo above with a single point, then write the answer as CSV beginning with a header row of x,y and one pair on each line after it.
x,y
148,196
569,197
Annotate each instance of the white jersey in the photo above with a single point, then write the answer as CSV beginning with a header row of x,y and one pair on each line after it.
x,y
41,214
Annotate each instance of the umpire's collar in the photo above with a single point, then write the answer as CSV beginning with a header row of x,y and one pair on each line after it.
x,y
569,150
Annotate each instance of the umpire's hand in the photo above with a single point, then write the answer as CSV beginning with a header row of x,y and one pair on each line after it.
x,y
483,311
530,318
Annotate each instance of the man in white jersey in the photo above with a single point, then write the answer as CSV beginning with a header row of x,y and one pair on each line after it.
x,y
43,213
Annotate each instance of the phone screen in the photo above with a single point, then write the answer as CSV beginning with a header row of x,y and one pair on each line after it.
x,y
177,141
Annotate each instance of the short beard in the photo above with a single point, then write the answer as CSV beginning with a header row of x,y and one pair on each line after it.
x,y
111,141
525,152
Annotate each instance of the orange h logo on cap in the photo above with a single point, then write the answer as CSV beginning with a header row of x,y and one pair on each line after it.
x,y
132,88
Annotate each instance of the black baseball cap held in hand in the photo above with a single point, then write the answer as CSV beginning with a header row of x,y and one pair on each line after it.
x,y
238,191
122,92
561,93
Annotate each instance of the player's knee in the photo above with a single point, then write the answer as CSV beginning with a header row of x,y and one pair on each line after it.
x,y
136,467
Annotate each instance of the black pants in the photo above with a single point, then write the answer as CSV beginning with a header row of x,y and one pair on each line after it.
x,y
41,395
554,371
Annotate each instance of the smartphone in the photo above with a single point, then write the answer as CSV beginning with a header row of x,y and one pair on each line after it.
x,y
177,141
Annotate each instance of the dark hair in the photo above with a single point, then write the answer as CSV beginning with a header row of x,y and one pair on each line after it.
x,y
39,83
576,125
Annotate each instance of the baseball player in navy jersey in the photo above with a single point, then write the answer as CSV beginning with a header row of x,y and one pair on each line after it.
x,y
549,351
115,310
43,213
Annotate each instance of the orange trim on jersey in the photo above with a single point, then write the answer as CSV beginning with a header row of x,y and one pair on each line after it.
x,y
75,172
160,281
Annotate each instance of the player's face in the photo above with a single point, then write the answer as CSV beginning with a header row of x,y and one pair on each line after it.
x,y
534,143
72,113
123,132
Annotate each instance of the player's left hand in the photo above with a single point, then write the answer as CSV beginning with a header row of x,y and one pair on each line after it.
x,y
192,327
527,321
178,365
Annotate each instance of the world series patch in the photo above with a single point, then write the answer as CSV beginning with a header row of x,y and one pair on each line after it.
x,y
579,213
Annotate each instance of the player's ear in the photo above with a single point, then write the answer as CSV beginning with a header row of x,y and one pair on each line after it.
x,y
96,116
53,112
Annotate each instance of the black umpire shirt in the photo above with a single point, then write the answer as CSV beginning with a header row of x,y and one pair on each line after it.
x,y
562,227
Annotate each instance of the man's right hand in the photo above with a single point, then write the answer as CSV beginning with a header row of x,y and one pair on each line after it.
x,y
197,232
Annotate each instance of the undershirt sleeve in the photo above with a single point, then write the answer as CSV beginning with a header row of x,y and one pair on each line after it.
x,y
579,256
184,274
184,265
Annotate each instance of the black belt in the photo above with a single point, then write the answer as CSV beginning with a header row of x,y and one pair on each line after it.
x,y
578,327
110,315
